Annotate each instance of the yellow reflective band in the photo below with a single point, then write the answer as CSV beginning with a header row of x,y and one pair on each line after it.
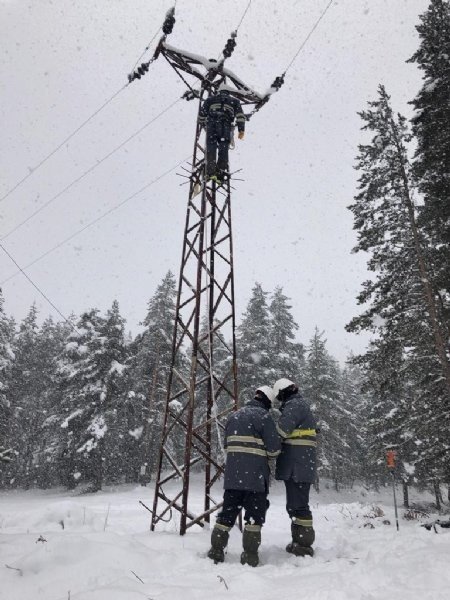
x,y
252,527
222,527
299,442
245,438
302,433
303,522
247,450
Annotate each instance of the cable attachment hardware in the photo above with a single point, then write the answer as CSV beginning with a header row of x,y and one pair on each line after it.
x,y
278,82
230,45
140,71
169,21
191,95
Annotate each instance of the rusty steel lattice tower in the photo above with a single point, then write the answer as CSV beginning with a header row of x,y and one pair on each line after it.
x,y
202,383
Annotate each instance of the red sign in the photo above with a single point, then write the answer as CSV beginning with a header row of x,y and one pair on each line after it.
x,y
390,459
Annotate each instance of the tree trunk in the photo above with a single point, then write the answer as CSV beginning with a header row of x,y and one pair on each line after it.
x,y
430,299
405,494
437,493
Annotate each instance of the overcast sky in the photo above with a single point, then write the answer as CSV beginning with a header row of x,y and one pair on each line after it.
x,y
61,60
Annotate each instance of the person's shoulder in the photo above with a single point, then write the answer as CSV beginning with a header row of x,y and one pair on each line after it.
x,y
299,400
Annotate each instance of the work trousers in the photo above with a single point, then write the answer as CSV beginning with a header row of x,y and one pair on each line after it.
x,y
255,505
218,138
297,499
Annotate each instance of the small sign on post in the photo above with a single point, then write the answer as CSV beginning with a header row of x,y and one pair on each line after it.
x,y
391,456
390,459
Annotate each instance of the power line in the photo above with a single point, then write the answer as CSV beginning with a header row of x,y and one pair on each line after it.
x,y
96,220
75,131
37,288
146,49
34,169
94,166
243,16
303,44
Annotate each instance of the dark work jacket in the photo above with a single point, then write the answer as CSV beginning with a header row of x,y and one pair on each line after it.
x,y
250,440
297,428
222,106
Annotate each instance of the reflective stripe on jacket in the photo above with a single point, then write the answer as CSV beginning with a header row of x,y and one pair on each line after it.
x,y
297,428
250,440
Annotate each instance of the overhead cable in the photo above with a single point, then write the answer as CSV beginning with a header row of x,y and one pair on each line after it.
x,y
303,44
37,288
96,220
94,114
92,168
69,137
243,16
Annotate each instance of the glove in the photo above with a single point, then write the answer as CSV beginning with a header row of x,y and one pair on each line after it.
x,y
241,135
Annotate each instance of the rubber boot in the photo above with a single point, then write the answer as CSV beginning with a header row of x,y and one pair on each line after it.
x,y
219,541
303,537
251,540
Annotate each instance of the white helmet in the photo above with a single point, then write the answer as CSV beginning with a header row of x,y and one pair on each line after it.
x,y
267,391
281,384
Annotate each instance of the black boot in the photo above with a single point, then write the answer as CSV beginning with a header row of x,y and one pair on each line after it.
x,y
251,540
219,541
303,537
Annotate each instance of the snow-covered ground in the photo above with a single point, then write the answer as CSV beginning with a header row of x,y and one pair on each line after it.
x,y
82,560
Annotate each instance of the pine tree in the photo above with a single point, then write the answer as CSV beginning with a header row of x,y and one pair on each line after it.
x,y
403,310
6,362
431,127
287,356
50,344
254,361
149,370
388,408
90,376
323,391
25,390
355,408
113,369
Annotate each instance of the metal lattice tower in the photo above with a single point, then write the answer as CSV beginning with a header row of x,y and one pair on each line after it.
x,y
204,344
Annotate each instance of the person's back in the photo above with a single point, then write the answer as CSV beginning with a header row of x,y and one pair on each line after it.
x,y
296,465
223,106
250,439
217,114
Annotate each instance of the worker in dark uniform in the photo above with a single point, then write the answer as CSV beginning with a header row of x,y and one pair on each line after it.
x,y
296,465
218,114
250,440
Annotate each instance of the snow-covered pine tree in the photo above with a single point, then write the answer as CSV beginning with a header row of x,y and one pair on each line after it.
x,y
431,128
25,392
354,404
219,354
113,361
286,355
90,375
149,369
402,310
254,361
322,389
50,344
7,332
389,406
